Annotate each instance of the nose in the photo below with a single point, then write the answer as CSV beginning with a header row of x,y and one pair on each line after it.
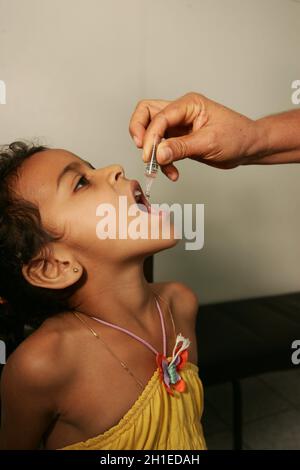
x,y
114,172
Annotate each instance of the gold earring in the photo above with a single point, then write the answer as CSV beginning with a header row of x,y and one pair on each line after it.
x,y
75,270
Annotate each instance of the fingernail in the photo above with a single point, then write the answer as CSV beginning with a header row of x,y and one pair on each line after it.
x,y
165,155
137,141
173,176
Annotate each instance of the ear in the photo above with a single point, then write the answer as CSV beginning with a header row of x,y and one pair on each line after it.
x,y
56,271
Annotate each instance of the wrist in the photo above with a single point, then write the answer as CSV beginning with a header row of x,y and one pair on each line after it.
x,y
259,143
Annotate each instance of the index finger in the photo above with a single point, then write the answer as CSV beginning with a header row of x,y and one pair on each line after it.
x,y
144,112
176,113
139,122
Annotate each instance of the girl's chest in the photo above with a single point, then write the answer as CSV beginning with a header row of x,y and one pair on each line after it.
x,y
109,382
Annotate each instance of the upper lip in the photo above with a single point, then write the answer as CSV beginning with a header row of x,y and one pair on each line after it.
x,y
135,186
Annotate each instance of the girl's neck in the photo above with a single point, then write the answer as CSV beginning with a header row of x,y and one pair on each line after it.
x,y
116,294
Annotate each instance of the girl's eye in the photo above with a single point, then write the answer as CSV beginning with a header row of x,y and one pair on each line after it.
x,y
82,180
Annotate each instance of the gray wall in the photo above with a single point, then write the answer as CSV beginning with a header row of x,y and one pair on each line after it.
x,y
74,70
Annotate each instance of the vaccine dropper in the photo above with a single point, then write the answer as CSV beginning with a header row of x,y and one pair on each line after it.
x,y
151,170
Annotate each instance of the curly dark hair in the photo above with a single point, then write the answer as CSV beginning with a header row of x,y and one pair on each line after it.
x,y
22,237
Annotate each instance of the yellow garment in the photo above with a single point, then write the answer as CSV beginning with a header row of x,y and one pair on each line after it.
x,y
157,420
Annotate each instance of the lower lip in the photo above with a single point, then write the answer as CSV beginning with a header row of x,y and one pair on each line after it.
x,y
142,207
151,210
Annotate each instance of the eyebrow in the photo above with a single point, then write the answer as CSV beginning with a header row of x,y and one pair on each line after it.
x,y
73,166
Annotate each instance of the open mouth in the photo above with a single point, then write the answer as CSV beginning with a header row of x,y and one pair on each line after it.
x,y
139,197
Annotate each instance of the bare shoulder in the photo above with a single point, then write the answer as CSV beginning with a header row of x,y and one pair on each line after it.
x,y
36,371
41,361
183,301
184,304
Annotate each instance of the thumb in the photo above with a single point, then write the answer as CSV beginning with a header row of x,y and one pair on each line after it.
x,y
177,148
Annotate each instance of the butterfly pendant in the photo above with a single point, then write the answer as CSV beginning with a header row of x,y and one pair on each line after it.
x,y
169,370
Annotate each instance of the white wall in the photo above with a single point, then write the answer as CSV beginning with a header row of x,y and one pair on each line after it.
x,y
74,70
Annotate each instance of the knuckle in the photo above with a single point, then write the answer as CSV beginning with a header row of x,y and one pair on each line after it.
x,y
141,104
161,116
160,120
180,147
212,139
194,96
191,94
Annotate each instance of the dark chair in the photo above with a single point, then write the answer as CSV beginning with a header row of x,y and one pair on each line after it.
x,y
245,338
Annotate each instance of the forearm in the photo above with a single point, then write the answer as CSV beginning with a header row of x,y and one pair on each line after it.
x,y
278,139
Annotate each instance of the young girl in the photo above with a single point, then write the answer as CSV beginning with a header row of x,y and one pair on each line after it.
x,y
113,362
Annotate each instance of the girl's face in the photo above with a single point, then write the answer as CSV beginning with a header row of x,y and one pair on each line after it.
x,y
68,190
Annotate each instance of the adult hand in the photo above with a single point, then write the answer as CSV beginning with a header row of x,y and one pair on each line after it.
x,y
195,127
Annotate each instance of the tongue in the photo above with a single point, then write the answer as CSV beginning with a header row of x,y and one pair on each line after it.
x,y
142,207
